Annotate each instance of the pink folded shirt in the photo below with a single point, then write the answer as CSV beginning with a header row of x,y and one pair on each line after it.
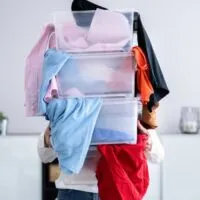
x,y
33,69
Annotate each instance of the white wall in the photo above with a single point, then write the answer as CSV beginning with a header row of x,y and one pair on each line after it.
x,y
173,27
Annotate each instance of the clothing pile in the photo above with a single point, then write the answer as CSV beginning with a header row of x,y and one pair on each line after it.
x,y
86,78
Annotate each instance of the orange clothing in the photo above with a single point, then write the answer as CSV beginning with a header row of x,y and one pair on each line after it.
x,y
144,86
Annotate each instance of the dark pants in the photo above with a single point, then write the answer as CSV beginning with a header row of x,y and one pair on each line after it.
x,y
67,194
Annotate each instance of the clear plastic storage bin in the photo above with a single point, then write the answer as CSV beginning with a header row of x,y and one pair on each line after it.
x,y
90,31
97,74
117,122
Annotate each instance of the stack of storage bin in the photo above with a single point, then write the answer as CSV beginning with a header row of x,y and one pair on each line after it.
x,y
101,65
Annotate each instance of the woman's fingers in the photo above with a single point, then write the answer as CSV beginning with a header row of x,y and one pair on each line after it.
x,y
141,127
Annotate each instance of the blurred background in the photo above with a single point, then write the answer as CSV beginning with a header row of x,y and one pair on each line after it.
x,y
173,27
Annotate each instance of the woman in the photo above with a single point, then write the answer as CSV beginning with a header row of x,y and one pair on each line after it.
x,y
77,186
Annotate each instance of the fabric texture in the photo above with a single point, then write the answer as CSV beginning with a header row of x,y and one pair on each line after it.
x,y
122,171
76,195
142,78
157,153
156,76
72,124
53,63
33,69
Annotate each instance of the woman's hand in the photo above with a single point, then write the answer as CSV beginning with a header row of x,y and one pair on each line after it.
x,y
47,135
142,128
145,131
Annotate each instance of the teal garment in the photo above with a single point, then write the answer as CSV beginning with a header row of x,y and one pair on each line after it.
x,y
72,126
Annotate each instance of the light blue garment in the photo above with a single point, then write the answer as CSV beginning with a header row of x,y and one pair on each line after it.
x,y
53,63
72,126
72,120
